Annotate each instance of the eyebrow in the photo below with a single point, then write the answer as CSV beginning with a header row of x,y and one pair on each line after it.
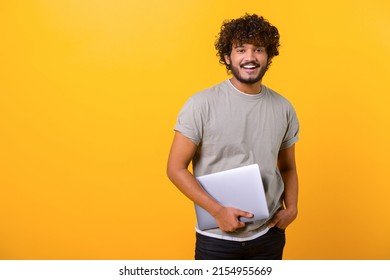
x,y
242,45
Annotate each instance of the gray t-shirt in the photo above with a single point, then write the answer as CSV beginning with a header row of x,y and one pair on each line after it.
x,y
233,129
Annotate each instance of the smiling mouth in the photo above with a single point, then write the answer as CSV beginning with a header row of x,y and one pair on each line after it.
x,y
250,66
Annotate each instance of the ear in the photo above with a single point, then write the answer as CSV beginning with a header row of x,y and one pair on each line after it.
x,y
227,59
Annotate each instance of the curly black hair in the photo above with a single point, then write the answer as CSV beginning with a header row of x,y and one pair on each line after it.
x,y
248,29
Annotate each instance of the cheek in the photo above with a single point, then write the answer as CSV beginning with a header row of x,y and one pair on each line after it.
x,y
263,60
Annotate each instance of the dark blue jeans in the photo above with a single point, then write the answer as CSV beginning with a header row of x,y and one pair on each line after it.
x,y
266,247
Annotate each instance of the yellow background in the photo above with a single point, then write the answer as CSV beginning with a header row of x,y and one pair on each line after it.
x,y
89,93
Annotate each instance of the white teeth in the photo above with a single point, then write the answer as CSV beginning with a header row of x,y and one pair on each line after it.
x,y
249,66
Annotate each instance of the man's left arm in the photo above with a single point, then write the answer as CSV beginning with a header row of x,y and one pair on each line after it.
x,y
287,168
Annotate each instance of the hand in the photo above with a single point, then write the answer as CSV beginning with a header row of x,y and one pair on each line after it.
x,y
228,218
283,218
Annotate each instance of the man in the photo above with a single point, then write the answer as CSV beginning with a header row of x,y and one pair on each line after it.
x,y
236,123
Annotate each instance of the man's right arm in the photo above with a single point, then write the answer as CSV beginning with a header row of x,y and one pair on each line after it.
x,y
180,156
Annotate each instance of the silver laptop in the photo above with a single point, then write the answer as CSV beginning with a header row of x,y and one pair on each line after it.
x,y
240,187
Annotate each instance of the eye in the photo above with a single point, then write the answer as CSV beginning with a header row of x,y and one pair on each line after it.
x,y
240,50
260,50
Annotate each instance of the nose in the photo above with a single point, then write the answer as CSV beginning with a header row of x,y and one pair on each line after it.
x,y
249,55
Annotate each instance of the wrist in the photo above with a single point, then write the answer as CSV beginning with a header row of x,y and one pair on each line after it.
x,y
216,210
293,211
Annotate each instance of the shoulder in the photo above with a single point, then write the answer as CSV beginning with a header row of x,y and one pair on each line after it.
x,y
203,101
209,94
278,99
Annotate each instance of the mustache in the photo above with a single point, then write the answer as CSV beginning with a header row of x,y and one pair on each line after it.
x,y
250,63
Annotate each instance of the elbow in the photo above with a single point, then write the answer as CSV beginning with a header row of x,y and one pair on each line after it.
x,y
171,172
287,169
175,173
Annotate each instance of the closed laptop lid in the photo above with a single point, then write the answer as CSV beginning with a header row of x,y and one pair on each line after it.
x,y
240,187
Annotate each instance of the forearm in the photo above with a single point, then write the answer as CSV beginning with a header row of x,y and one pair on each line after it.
x,y
182,152
287,168
189,186
227,218
290,179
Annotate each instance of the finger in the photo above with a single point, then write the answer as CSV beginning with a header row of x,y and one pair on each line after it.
x,y
273,222
244,214
240,224
249,215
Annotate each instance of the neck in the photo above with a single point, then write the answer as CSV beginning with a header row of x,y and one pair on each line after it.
x,y
246,88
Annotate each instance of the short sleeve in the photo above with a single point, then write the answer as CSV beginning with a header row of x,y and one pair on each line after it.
x,y
291,135
190,121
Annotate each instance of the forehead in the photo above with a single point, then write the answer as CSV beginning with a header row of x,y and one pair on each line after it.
x,y
253,42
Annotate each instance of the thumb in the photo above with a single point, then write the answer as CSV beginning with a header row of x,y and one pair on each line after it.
x,y
273,222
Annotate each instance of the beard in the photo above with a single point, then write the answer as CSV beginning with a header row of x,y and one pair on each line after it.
x,y
250,80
